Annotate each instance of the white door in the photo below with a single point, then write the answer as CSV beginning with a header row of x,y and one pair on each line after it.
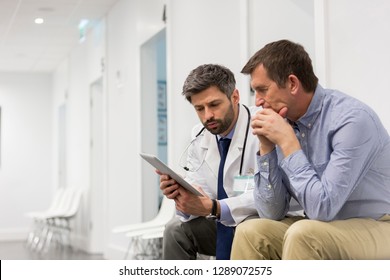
x,y
154,117
62,146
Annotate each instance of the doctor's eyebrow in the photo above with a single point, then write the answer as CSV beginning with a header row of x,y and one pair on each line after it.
x,y
213,103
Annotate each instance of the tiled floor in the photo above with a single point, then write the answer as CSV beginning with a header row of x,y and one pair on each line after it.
x,y
17,250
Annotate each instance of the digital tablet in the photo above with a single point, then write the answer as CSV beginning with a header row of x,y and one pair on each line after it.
x,y
159,165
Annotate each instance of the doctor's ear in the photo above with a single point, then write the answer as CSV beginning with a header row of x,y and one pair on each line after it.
x,y
235,98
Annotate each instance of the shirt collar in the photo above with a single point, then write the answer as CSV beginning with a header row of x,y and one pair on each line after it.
x,y
229,136
314,108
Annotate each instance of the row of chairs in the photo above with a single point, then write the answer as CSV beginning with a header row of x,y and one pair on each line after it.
x,y
145,239
54,224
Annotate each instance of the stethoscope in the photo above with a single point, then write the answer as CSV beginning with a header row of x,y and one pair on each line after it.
x,y
245,139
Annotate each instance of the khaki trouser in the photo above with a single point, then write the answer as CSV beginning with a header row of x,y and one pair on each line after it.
x,y
297,238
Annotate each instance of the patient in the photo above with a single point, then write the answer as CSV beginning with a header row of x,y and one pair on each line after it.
x,y
332,155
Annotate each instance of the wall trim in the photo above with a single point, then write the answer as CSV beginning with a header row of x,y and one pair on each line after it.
x,y
14,234
113,252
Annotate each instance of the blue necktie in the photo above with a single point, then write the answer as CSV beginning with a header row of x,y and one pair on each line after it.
x,y
224,233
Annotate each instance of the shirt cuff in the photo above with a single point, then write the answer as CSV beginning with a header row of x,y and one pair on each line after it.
x,y
183,215
267,161
226,215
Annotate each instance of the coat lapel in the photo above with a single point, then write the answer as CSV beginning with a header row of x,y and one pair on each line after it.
x,y
236,145
209,144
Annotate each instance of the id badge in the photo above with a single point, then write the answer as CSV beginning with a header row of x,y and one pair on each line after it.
x,y
242,184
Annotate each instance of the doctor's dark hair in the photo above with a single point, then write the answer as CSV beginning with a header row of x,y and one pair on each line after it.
x,y
208,75
281,59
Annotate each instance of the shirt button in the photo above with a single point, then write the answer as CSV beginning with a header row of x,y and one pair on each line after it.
x,y
265,163
303,135
269,187
309,125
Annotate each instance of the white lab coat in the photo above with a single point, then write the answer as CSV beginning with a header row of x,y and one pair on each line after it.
x,y
205,149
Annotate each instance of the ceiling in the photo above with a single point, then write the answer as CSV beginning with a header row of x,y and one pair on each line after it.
x,y
28,47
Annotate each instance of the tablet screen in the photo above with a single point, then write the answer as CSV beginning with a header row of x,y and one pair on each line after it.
x,y
159,165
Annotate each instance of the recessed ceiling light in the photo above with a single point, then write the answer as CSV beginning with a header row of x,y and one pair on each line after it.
x,y
39,20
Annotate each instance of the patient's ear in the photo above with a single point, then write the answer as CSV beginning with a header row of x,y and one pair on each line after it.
x,y
293,84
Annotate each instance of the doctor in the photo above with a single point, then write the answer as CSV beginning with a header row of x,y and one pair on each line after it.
x,y
205,225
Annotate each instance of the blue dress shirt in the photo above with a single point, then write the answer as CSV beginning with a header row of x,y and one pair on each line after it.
x,y
342,170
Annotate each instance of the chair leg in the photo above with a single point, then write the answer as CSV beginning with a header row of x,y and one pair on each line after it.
x,y
47,242
133,246
150,249
30,238
128,249
41,239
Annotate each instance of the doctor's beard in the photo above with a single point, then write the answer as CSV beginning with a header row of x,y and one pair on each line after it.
x,y
222,124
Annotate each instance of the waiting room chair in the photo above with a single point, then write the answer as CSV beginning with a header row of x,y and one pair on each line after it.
x,y
60,225
142,248
55,222
39,218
